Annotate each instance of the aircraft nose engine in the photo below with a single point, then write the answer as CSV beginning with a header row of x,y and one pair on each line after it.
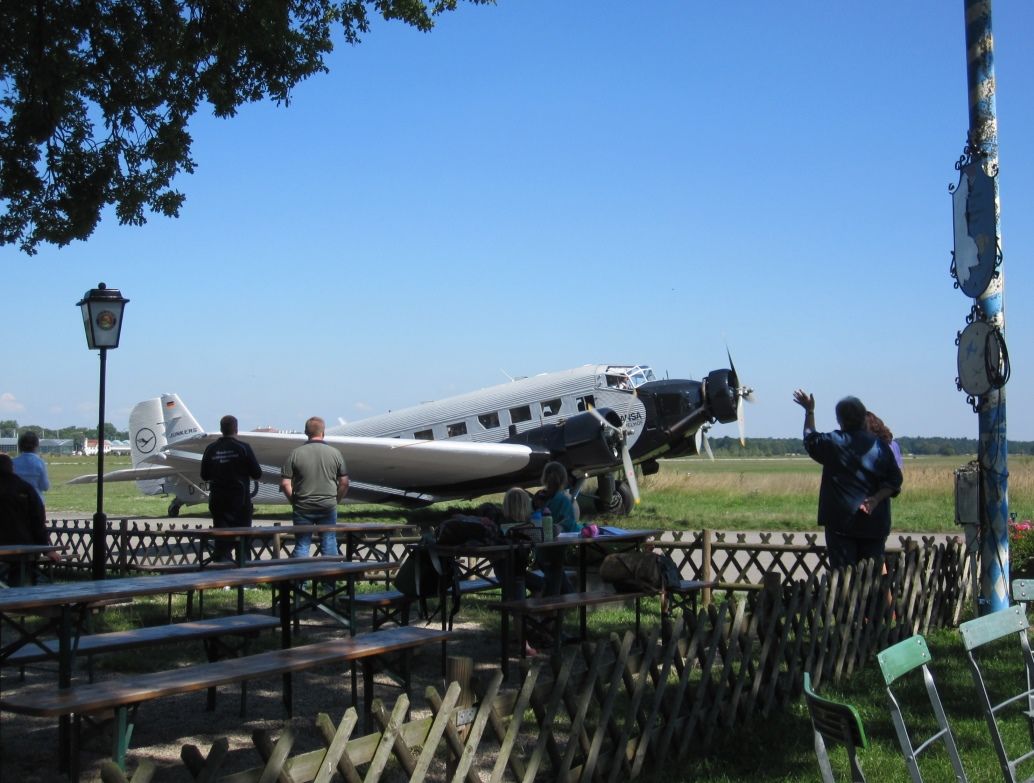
x,y
585,442
721,395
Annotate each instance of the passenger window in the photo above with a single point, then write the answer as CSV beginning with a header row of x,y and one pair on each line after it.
x,y
523,413
424,435
586,402
551,407
489,420
457,429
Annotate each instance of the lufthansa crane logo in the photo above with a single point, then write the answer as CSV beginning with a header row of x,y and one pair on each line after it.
x,y
145,440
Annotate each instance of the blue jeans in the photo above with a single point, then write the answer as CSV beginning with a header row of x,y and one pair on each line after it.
x,y
328,539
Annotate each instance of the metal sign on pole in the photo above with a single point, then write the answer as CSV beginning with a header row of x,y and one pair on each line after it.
x,y
983,361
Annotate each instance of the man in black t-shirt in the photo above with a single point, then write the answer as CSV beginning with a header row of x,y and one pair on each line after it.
x,y
228,465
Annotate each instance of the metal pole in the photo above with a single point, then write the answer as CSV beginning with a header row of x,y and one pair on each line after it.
x,y
992,448
100,521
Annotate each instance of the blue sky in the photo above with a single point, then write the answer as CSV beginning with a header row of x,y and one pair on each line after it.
x,y
539,185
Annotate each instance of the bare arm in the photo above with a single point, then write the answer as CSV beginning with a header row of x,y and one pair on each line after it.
x,y
806,401
287,489
342,487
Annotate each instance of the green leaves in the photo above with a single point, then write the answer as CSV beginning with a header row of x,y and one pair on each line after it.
x,y
95,97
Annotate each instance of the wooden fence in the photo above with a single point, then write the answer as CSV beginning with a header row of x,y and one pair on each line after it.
x,y
627,707
737,561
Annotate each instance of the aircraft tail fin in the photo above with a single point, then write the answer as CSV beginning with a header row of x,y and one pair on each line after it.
x,y
146,430
147,437
179,422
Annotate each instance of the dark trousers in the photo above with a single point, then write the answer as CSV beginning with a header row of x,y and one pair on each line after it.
x,y
228,515
848,551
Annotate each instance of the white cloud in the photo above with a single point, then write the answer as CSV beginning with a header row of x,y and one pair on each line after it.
x,y
9,404
365,407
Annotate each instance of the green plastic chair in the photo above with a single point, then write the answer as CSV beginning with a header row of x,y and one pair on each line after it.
x,y
983,631
895,662
837,723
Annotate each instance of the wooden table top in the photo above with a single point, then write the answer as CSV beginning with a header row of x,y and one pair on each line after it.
x,y
23,550
67,593
629,536
270,531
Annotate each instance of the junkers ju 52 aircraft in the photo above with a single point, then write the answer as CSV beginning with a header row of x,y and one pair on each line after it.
x,y
598,420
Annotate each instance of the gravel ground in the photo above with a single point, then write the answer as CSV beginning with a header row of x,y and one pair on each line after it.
x,y
28,746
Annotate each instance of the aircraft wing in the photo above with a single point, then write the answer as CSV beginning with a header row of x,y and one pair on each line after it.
x,y
409,465
144,473
380,469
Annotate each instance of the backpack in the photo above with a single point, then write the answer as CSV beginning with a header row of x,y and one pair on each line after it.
x,y
633,572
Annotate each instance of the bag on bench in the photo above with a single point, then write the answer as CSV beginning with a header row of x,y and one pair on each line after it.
x,y
634,572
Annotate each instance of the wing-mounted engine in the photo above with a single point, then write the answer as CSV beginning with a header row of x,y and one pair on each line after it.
x,y
581,442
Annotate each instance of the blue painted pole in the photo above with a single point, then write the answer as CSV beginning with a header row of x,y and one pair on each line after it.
x,y
993,452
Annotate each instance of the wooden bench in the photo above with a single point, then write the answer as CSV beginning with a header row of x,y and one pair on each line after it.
x,y
209,631
128,692
684,595
393,606
553,605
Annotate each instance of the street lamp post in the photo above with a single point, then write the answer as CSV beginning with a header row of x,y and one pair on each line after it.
x,y
102,318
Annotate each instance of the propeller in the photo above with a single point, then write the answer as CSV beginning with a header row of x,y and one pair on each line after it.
x,y
700,439
626,458
742,393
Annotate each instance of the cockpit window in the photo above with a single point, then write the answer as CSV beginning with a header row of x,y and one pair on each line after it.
x,y
618,382
489,420
551,407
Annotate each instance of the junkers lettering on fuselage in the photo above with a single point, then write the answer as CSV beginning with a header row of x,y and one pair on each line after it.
x,y
180,433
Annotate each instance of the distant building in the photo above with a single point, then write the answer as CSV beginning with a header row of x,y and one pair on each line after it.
x,y
118,447
56,446
46,446
90,449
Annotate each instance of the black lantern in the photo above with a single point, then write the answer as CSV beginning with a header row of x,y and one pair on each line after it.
x,y
102,318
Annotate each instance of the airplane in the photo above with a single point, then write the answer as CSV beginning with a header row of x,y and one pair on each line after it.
x,y
598,420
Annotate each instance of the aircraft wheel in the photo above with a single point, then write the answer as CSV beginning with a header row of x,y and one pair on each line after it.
x,y
620,500
174,509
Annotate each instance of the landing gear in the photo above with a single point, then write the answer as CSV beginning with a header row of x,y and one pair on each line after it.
x,y
174,508
613,497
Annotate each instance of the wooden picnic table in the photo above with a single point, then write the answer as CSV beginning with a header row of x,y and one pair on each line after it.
x,y
353,533
507,553
73,599
26,555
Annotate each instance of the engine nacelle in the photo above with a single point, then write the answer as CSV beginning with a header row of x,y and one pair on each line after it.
x,y
581,442
720,392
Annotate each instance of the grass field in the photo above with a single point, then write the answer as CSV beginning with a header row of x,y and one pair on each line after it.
x,y
730,494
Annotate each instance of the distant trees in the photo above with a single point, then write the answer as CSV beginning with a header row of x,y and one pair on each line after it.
x,y
920,447
9,428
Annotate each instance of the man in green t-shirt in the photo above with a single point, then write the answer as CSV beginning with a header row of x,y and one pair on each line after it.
x,y
315,481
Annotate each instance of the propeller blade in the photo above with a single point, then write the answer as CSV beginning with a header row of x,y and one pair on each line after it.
x,y
741,423
626,459
703,442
